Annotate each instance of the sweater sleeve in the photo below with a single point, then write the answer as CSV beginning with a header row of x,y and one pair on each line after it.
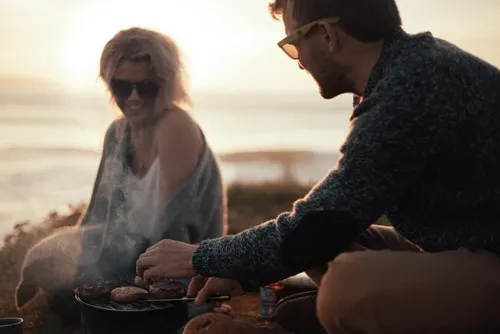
x,y
396,131
109,139
196,211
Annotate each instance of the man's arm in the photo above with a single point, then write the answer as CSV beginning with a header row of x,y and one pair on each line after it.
x,y
396,133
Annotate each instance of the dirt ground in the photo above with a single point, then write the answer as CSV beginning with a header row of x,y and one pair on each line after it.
x,y
248,205
245,308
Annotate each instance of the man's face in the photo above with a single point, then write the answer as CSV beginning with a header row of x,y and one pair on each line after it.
x,y
319,53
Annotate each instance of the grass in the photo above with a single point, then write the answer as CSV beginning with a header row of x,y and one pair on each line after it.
x,y
249,204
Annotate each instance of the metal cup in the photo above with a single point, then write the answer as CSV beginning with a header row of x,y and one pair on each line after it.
x,y
11,325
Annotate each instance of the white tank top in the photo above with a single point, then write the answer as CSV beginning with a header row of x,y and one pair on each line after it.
x,y
143,202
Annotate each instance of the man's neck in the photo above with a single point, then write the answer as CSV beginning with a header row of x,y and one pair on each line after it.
x,y
366,59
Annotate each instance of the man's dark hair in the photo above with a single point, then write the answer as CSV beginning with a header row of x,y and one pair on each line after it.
x,y
365,20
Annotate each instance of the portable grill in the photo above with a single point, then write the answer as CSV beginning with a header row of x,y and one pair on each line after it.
x,y
105,304
103,316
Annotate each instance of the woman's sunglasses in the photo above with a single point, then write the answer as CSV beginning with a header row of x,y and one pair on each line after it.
x,y
146,89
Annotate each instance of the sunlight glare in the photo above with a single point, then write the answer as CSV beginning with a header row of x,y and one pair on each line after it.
x,y
207,52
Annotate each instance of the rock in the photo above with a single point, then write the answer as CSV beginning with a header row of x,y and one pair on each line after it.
x,y
216,323
52,263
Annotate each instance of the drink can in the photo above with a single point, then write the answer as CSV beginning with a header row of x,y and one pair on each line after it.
x,y
268,300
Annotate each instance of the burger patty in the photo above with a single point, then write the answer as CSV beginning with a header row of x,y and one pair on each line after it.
x,y
128,294
158,288
94,291
167,288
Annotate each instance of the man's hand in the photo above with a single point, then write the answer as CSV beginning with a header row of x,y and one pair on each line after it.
x,y
203,287
167,258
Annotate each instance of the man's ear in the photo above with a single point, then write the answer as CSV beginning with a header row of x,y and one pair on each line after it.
x,y
331,36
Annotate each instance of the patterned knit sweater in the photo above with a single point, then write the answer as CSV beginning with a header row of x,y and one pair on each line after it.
x,y
423,148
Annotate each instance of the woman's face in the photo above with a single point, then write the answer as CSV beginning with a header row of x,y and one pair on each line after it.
x,y
134,90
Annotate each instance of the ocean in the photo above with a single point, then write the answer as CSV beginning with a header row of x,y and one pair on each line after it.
x,y
50,145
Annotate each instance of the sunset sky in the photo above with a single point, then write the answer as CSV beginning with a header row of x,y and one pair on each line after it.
x,y
227,44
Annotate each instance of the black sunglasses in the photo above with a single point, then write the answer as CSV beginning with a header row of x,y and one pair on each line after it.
x,y
146,89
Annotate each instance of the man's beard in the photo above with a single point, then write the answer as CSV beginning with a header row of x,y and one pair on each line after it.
x,y
332,82
334,85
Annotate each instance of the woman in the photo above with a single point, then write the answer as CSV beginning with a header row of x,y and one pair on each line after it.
x,y
158,178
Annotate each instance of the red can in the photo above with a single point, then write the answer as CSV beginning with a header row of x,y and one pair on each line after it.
x,y
269,296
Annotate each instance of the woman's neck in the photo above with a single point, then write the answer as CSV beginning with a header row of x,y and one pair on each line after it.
x,y
143,150
140,128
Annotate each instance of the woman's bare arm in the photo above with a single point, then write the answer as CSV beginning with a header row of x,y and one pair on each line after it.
x,y
179,147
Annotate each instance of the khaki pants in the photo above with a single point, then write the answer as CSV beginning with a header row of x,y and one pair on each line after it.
x,y
393,287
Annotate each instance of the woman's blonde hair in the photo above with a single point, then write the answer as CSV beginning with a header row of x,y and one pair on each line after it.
x,y
163,55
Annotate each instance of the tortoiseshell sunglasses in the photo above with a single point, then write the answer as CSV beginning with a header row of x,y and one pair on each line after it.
x,y
287,43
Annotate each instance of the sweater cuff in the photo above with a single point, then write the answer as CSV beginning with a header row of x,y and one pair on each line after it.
x,y
202,256
203,264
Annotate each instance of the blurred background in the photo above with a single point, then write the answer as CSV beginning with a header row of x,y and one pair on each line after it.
x,y
261,114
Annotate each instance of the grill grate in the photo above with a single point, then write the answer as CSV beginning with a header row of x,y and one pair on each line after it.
x,y
109,305
104,303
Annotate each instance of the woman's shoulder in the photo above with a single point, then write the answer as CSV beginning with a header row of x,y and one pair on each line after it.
x,y
114,130
179,137
175,122
176,115
113,134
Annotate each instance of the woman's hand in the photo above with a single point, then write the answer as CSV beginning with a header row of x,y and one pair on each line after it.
x,y
203,287
167,258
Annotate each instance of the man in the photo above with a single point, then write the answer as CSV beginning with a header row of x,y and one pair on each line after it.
x,y
423,149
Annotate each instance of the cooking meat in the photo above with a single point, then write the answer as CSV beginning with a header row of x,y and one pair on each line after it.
x,y
138,281
94,291
167,288
154,279
128,294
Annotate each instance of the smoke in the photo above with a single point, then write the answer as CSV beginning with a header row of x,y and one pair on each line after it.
x,y
128,214
119,225
52,263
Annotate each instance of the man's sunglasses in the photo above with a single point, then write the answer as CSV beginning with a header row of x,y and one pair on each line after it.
x,y
287,43
146,89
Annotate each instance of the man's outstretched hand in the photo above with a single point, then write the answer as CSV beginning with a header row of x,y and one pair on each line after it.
x,y
202,287
167,258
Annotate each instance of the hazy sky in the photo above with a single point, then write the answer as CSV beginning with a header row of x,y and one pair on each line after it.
x,y
227,44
